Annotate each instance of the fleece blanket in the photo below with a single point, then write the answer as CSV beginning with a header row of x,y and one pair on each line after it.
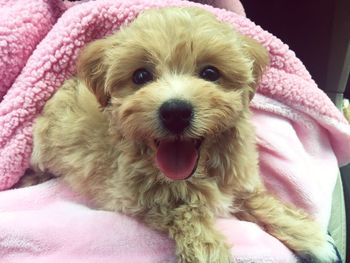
x,y
302,139
49,223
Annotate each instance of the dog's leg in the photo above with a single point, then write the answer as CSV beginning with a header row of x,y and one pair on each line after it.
x,y
192,228
290,225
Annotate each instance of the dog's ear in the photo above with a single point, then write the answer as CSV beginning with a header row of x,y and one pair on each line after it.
x,y
260,58
92,69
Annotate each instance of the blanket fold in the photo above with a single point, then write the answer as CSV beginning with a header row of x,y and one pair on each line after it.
x,y
302,137
19,34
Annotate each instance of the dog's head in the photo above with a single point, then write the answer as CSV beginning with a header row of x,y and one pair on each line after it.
x,y
173,79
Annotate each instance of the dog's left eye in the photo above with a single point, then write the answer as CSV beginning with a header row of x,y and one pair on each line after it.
x,y
142,76
210,73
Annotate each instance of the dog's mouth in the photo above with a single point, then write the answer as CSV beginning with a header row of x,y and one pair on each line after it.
x,y
178,158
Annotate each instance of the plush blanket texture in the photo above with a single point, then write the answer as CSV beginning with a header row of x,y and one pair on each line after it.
x,y
302,138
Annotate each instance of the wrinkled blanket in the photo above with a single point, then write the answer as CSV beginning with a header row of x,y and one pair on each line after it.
x,y
302,138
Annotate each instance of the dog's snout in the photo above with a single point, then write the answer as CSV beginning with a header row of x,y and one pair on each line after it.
x,y
176,115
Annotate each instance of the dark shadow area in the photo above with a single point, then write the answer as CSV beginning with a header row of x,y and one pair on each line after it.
x,y
305,26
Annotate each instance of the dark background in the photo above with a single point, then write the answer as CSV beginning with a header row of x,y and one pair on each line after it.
x,y
308,28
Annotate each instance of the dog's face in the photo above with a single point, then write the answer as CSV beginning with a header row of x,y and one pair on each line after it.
x,y
174,79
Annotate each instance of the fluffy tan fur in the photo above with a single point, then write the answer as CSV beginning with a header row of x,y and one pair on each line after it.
x,y
98,132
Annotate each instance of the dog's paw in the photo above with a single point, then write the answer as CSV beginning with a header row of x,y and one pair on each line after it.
x,y
321,254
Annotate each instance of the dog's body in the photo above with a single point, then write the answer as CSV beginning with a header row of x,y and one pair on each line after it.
x,y
113,134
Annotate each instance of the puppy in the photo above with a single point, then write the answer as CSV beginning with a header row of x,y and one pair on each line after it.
x,y
156,125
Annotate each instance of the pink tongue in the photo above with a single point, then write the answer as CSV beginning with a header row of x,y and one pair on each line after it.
x,y
176,159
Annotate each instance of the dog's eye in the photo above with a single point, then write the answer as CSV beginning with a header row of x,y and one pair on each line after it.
x,y
141,76
210,73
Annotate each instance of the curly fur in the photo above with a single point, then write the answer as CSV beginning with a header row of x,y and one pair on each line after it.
x,y
98,132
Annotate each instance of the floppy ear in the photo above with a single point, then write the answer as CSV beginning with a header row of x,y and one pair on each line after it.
x,y
92,69
260,58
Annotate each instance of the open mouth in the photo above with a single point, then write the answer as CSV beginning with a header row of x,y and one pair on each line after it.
x,y
177,159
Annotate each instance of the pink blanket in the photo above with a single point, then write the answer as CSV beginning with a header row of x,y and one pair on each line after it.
x,y
302,138
48,223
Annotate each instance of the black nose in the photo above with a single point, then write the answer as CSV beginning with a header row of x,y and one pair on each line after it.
x,y
176,115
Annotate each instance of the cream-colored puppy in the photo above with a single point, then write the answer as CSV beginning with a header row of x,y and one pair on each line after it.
x,y
156,125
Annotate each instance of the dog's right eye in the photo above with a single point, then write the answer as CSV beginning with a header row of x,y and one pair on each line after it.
x,y
210,73
142,76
